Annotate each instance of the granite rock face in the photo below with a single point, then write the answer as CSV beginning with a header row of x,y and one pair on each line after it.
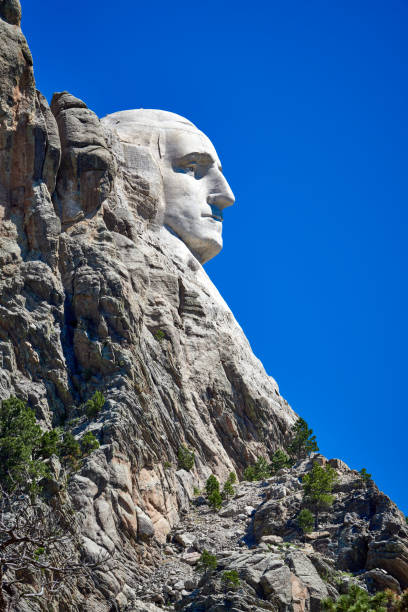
x,y
278,567
87,167
363,530
87,280
96,296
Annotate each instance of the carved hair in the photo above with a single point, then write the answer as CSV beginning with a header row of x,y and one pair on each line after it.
x,y
142,135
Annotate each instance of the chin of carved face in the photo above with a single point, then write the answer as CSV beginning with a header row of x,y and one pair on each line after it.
x,y
195,192
202,234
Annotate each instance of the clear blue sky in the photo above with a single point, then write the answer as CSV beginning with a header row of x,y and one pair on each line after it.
x,y
306,103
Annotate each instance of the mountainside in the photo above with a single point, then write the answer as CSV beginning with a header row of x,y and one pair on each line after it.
x,y
95,296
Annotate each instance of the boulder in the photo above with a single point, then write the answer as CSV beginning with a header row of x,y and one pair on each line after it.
x,y
271,539
392,556
276,585
380,580
190,557
304,569
185,539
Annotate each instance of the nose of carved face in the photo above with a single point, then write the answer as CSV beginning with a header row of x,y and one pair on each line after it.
x,y
221,197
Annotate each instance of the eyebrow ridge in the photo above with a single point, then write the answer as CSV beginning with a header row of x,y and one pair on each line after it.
x,y
203,158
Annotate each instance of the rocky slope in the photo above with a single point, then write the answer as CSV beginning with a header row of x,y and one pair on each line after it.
x,y
94,296
362,539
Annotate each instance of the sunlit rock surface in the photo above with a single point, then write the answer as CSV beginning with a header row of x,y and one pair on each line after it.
x,y
88,278
102,288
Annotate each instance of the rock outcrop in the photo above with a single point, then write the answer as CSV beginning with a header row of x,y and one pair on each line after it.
x,y
256,535
94,296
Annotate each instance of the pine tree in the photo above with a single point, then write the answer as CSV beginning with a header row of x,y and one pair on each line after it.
x,y
305,521
211,485
186,458
232,477
365,476
20,439
69,447
317,487
215,500
303,442
49,443
279,460
359,600
230,579
89,443
206,563
94,405
228,490
258,471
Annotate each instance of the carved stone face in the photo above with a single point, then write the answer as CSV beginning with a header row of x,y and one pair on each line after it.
x,y
194,189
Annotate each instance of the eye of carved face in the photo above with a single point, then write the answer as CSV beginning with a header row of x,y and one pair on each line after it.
x,y
195,164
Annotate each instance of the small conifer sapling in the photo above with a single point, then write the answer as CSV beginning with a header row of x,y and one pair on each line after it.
x,y
211,485
215,500
206,563
305,521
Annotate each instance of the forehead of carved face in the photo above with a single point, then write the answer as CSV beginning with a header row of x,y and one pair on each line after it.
x,y
195,190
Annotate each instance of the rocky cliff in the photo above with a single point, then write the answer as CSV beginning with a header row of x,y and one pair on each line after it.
x,y
87,281
94,296
362,540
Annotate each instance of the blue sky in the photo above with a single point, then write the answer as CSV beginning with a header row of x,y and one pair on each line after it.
x,y
306,103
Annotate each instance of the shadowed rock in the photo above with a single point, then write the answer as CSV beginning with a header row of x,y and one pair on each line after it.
x,y
10,11
87,167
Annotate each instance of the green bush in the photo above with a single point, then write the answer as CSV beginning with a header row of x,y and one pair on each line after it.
x,y
249,473
303,442
230,579
305,520
317,487
39,552
358,600
94,405
259,471
206,563
279,460
228,490
159,335
400,602
49,443
215,500
211,485
69,447
88,443
365,476
20,439
186,458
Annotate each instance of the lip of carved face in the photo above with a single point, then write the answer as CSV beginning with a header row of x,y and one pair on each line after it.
x,y
216,214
